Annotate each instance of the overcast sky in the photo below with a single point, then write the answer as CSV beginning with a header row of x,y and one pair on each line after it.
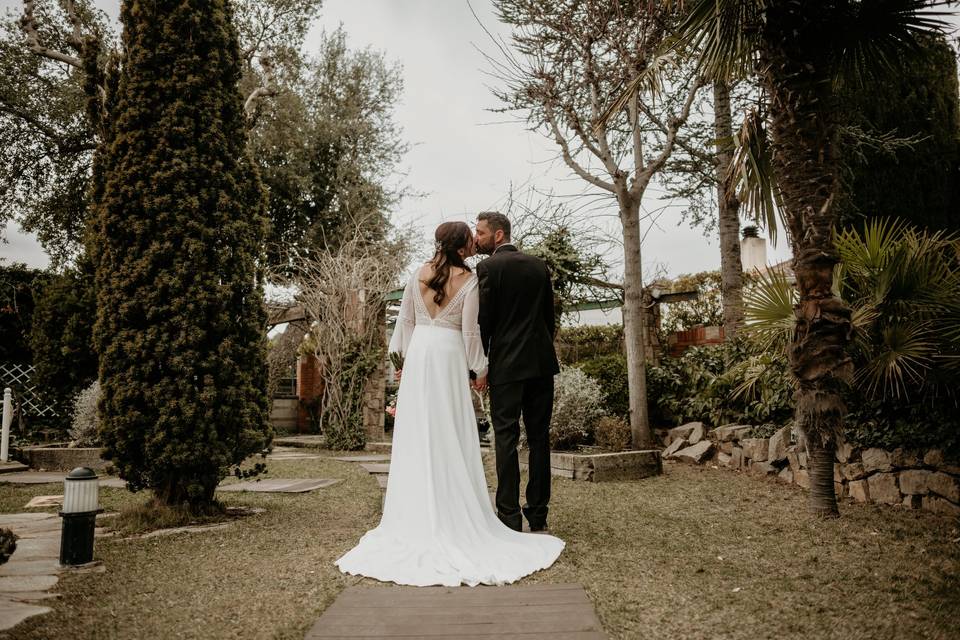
x,y
463,157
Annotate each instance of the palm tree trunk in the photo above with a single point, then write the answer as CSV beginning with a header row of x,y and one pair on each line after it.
x,y
803,138
633,323
731,268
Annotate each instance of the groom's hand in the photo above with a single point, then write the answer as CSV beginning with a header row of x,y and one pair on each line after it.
x,y
480,384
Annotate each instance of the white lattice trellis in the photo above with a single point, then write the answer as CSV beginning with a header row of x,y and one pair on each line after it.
x,y
19,378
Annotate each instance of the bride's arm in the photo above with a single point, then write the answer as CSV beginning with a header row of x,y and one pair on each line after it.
x,y
476,359
406,320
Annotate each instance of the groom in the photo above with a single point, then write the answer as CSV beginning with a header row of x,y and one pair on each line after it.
x,y
517,329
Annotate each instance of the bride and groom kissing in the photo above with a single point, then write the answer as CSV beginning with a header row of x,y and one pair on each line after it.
x,y
496,326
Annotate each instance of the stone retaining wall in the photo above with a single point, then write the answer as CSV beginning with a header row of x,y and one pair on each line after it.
x,y
909,477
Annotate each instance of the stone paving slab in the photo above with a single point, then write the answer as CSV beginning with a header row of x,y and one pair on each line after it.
x,y
12,466
46,477
292,453
32,567
316,442
376,457
280,485
536,611
13,612
26,583
41,502
373,467
382,480
176,530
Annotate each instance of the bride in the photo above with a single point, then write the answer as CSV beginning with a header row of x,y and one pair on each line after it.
x,y
438,525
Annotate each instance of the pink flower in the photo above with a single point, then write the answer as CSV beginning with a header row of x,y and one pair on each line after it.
x,y
392,411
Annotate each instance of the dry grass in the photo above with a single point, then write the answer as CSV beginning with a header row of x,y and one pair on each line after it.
x,y
648,553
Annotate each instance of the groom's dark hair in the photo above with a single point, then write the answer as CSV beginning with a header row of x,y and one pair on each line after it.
x,y
496,221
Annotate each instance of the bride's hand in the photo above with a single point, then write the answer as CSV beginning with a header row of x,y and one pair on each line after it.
x,y
480,384
397,374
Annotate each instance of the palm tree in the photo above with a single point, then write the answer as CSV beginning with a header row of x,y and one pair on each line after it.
x,y
800,51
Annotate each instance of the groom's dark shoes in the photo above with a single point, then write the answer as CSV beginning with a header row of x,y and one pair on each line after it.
x,y
514,522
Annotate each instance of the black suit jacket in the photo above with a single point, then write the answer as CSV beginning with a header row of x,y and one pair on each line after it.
x,y
516,316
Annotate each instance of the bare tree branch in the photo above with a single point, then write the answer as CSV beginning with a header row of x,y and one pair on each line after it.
x,y
28,24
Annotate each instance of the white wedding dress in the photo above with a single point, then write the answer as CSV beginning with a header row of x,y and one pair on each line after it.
x,y
438,525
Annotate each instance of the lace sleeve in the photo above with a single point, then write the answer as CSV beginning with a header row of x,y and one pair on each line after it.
x,y
406,320
470,327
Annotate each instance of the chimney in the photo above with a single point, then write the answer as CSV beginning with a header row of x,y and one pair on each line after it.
x,y
753,250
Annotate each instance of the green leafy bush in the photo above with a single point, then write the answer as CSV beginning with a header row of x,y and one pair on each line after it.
x,y
610,371
575,344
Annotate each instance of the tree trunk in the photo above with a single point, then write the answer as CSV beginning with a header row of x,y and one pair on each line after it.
x,y
803,137
822,499
731,268
633,324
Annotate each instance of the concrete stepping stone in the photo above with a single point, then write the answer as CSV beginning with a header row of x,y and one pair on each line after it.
x,y
376,468
377,457
200,528
12,466
280,485
27,583
47,477
13,612
29,567
41,502
292,453
316,442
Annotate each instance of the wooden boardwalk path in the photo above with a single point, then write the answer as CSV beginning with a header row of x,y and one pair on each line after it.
x,y
532,612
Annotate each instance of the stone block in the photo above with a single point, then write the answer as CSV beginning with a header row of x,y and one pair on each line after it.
x,y
699,433
801,478
876,460
803,459
884,489
905,458
731,432
934,458
840,490
939,505
944,485
859,490
736,458
727,448
724,459
914,481
837,475
844,451
779,443
696,453
793,459
755,448
853,471
683,431
675,445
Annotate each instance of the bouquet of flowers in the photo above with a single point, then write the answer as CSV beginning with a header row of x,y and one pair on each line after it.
x,y
396,358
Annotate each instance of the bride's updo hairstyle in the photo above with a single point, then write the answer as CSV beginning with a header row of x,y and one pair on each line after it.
x,y
450,238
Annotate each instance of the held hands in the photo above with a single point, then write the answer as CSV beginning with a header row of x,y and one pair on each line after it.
x,y
396,375
480,384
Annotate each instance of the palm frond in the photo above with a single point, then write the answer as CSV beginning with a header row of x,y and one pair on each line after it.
x,y
752,176
769,309
900,359
725,35
870,38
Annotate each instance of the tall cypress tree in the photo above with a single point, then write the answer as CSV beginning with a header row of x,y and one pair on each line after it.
x,y
920,184
178,231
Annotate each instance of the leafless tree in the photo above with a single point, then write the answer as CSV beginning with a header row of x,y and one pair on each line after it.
x,y
567,61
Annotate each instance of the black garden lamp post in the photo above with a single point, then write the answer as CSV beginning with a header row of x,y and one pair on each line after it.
x,y
80,509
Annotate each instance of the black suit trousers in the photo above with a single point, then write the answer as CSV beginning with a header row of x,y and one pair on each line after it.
x,y
533,400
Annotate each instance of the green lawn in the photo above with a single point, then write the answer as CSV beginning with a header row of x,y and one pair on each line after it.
x,y
660,558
